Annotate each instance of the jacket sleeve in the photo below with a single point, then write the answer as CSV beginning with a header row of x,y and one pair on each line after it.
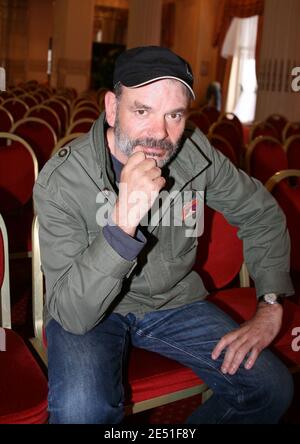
x,y
246,203
82,279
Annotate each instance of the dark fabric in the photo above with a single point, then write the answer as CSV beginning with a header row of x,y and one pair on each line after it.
x,y
23,386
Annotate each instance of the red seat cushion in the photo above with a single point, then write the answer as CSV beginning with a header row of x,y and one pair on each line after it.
x,y
23,386
151,375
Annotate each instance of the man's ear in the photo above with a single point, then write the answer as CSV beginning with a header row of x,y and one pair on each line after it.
x,y
110,108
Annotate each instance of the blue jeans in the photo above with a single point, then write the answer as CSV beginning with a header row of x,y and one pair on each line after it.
x,y
86,371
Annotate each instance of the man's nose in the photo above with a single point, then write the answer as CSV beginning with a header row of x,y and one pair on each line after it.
x,y
158,129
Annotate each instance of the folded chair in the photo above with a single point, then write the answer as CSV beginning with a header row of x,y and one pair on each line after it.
x,y
23,384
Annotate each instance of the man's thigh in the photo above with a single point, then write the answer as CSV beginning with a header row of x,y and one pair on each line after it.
x,y
190,333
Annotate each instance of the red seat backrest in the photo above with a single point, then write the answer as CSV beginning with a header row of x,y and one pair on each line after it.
x,y
48,115
278,122
200,120
220,251
268,157
6,120
288,198
228,130
224,146
263,129
211,113
16,107
16,177
82,126
2,261
40,137
293,152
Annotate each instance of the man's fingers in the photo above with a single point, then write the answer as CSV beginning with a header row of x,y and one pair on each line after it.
x,y
136,158
160,182
223,343
235,356
252,358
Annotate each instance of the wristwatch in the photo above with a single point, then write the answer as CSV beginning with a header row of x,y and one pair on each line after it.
x,y
271,298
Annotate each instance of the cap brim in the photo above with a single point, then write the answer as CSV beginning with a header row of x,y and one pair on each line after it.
x,y
165,77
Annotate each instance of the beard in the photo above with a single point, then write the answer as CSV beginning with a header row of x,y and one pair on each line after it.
x,y
127,145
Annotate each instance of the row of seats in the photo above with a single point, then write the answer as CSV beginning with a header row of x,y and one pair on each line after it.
x,y
265,155
152,379
226,133
45,123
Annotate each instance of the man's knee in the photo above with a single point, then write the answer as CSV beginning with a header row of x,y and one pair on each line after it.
x,y
271,389
77,407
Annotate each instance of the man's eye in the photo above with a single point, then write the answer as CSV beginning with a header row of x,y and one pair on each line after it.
x,y
175,116
141,112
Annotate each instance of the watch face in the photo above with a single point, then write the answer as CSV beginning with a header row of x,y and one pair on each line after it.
x,y
270,298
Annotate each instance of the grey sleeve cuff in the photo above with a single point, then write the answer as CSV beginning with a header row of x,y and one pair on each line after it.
x,y
278,282
126,246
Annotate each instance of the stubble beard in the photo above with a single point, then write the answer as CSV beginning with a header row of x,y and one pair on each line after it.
x,y
127,145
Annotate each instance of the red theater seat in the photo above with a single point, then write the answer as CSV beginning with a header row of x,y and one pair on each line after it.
x,y
39,134
200,120
23,385
264,157
18,172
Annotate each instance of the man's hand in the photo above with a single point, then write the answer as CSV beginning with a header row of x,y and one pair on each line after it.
x,y
140,184
253,336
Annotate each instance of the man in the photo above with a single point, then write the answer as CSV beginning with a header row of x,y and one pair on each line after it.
x,y
117,278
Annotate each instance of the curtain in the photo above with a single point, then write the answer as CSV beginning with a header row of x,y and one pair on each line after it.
x,y
227,11
234,8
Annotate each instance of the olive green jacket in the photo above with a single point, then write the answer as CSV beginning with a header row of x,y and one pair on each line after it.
x,y
86,278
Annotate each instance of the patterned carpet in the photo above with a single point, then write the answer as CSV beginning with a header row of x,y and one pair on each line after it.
x,y
173,413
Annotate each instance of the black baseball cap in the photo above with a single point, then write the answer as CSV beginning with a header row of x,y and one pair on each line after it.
x,y
137,67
